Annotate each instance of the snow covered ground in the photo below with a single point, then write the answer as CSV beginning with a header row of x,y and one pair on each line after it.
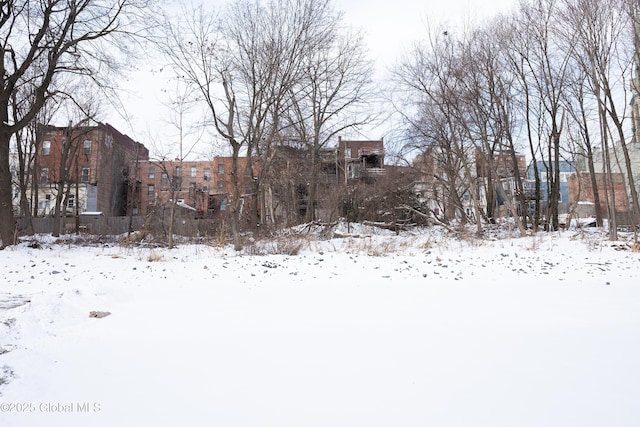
x,y
369,329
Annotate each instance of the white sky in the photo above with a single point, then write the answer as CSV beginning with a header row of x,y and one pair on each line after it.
x,y
390,27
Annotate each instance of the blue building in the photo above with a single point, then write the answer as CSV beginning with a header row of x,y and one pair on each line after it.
x,y
545,173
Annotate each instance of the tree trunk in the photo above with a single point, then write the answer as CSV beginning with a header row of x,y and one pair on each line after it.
x,y
594,187
236,203
312,185
7,219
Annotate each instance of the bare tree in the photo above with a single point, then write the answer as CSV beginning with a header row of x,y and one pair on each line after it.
x,y
486,115
42,42
602,30
581,115
27,143
245,63
181,103
431,80
542,62
330,96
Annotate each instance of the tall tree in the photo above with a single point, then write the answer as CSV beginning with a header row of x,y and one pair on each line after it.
x,y
487,117
245,62
603,30
330,97
429,79
46,40
581,115
544,61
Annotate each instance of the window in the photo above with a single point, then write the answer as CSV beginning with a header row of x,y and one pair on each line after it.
x,y
220,188
192,185
347,153
192,172
151,190
164,178
223,205
86,172
178,171
207,174
44,175
71,201
152,172
46,148
220,168
352,171
86,146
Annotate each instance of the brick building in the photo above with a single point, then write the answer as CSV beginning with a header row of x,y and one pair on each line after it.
x,y
581,191
92,166
204,186
360,160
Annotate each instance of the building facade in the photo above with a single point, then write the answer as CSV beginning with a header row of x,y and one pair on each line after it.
x,y
90,165
360,160
202,186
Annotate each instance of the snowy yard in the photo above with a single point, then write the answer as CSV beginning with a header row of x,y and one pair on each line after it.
x,y
374,330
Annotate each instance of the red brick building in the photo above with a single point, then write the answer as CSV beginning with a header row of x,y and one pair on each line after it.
x,y
91,164
580,190
360,159
204,186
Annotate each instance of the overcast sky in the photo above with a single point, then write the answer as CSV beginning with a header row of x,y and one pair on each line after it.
x,y
390,28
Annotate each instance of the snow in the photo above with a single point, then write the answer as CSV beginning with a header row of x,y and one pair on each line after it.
x,y
369,329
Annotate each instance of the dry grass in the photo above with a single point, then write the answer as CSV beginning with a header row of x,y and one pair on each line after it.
x,y
134,238
155,256
375,247
280,246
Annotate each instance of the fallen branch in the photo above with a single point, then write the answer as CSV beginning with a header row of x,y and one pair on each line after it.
x,y
393,226
431,218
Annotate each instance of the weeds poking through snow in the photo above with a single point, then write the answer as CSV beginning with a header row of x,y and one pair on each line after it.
x,y
6,374
155,256
280,246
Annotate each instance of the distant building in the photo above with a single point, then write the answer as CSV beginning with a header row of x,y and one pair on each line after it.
x,y
545,174
581,193
503,174
360,160
203,186
618,165
92,166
